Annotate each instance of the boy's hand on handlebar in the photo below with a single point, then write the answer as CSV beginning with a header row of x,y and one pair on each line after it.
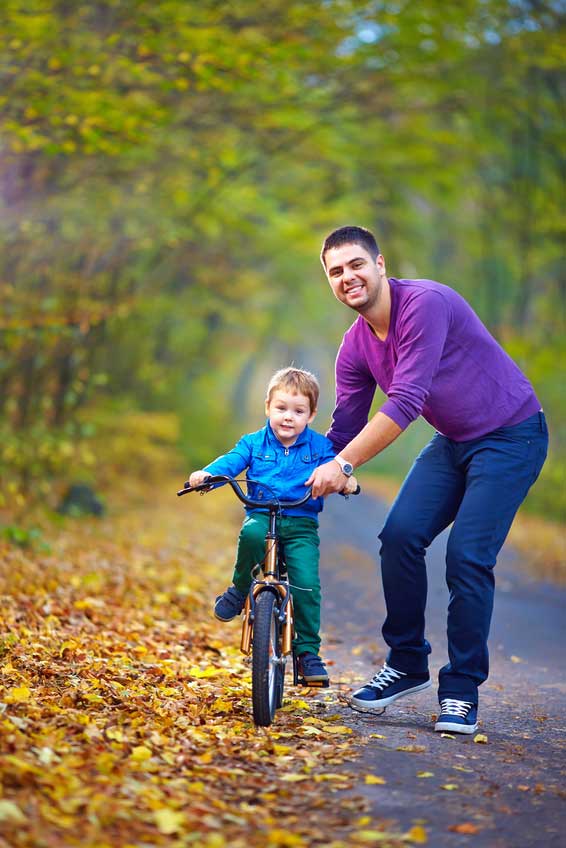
x,y
351,486
198,477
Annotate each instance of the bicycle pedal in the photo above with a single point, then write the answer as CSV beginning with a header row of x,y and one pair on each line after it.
x,y
314,684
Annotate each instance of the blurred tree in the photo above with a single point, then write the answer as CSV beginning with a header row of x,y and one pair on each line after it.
x,y
169,169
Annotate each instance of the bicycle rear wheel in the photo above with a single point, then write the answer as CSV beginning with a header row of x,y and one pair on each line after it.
x,y
268,664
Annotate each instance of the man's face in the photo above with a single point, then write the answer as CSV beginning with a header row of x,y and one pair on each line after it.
x,y
354,277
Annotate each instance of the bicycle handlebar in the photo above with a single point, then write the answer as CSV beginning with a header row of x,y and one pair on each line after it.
x,y
221,478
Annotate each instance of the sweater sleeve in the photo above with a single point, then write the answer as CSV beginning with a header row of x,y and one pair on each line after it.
x,y
422,330
355,389
234,462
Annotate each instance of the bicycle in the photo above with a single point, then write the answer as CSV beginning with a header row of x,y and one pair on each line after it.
x,y
268,622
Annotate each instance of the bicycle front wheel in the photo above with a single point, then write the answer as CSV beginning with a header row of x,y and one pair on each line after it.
x,y
268,663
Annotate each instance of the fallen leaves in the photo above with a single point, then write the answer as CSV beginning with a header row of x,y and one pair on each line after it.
x,y
126,707
412,749
466,828
374,780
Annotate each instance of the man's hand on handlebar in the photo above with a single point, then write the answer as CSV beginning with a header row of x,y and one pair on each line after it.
x,y
198,477
326,479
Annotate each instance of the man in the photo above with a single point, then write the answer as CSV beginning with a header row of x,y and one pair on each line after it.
x,y
424,346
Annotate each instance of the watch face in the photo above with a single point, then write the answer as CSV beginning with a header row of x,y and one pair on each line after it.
x,y
347,468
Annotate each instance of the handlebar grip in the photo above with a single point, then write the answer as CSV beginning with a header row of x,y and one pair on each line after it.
x,y
200,488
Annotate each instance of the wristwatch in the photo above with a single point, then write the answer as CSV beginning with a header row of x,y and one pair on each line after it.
x,y
347,467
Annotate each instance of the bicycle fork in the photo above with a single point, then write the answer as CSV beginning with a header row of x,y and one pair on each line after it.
x,y
269,583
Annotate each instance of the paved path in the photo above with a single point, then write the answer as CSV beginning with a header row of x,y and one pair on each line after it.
x,y
510,791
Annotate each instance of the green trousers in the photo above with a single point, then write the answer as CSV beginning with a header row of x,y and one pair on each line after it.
x,y
299,537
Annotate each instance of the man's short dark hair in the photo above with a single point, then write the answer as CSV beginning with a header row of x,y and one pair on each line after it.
x,y
350,235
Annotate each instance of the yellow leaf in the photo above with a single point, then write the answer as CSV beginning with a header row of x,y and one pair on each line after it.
x,y
481,738
284,839
10,812
425,774
168,821
69,645
200,673
373,836
295,705
377,736
197,787
222,706
417,834
374,779
516,659
294,778
17,694
115,734
330,728
140,753
412,749
449,786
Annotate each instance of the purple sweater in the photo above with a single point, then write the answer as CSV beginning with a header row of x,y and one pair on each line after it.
x,y
438,361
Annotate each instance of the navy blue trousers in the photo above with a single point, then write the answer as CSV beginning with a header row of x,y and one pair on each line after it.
x,y
479,485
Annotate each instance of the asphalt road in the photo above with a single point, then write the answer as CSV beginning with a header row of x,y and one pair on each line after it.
x,y
508,792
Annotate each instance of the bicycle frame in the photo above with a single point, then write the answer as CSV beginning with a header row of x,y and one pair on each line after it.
x,y
271,580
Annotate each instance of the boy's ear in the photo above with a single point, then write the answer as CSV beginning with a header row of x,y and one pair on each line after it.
x,y
313,414
267,408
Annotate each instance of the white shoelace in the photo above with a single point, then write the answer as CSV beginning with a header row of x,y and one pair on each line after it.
x,y
385,676
450,706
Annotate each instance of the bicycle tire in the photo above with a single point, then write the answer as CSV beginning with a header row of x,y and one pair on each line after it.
x,y
268,669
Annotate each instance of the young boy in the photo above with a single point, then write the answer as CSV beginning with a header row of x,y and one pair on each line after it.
x,y
280,458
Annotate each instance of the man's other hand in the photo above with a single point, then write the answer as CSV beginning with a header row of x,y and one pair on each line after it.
x,y
326,479
351,486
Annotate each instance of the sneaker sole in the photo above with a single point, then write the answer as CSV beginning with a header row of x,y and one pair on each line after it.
x,y
384,702
451,727
225,619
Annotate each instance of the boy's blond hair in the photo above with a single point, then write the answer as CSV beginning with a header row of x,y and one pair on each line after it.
x,y
295,380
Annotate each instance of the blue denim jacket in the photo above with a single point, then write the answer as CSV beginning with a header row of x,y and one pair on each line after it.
x,y
274,470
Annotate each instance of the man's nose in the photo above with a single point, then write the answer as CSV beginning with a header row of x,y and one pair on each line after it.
x,y
348,275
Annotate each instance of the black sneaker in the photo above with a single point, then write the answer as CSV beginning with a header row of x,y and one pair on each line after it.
x,y
457,716
230,604
311,668
388,685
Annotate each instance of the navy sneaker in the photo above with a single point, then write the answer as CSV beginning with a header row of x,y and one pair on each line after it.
x,y
388,685
311,668
230,604
457,716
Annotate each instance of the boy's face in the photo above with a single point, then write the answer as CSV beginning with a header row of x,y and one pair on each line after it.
x,y
288,414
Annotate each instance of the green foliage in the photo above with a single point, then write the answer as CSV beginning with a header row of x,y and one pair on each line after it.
x,y
169,171
24,537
